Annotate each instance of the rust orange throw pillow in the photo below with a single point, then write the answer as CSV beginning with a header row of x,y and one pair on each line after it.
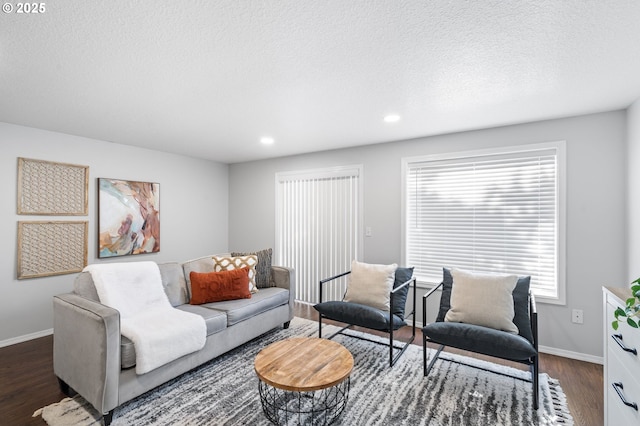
x,y
209,287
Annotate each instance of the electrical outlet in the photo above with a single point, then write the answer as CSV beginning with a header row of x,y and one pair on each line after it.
x,y
577,316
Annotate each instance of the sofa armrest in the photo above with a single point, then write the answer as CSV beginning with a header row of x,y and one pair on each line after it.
x,y
284,277
86,349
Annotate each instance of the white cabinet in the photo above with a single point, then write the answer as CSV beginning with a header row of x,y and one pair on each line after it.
x,y
621,363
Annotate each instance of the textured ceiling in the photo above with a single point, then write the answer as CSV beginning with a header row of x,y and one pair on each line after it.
x,y
209,78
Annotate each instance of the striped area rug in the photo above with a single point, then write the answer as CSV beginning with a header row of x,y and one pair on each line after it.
x,y
225,392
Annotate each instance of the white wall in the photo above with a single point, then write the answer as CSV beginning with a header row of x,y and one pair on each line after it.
x,y
596,187
633,192
193,213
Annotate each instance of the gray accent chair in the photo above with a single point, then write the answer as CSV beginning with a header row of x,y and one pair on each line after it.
x,y
356,314
521,347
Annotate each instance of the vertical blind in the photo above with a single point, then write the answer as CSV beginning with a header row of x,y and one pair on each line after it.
x,y
496,213
317,226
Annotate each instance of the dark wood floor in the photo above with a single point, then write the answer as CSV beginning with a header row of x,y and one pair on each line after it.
x,y
27,381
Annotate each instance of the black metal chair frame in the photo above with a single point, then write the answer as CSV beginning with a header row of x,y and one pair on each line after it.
x,y
531,362
392,358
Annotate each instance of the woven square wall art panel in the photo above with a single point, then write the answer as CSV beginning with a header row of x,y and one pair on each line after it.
x,y
51,248
48,188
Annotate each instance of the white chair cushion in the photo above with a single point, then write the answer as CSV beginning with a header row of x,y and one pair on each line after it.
x,y
370,284
483,299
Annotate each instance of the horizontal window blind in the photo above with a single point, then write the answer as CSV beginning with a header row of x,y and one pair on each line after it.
x,y
487,213
317,226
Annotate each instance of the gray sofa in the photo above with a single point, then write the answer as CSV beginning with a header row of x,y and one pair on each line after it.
x,y
94,360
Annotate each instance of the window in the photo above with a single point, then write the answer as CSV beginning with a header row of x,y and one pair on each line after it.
x,y
318,223
488,211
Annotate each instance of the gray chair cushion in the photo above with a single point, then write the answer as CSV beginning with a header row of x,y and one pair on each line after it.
x,y
445,296
400,297
521,307
242,309
358,314
480,339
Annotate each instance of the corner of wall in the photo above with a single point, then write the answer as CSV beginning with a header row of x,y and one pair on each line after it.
x,y
633,190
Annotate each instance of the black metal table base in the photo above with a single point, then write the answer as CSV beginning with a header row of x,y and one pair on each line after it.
x,y
321,407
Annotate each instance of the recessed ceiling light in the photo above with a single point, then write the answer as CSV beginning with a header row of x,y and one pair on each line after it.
x,y
266,140
392,118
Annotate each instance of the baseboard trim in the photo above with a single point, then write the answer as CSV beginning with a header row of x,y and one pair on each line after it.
x,y
572,355
25,338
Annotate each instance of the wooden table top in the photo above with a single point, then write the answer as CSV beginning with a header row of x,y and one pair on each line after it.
x,y
304,364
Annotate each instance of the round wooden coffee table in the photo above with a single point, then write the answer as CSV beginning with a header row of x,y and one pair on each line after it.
x,y
303,380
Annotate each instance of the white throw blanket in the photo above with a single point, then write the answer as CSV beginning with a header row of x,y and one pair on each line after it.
x,y
159,332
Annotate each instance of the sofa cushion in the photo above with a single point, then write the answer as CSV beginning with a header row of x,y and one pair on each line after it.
x,y
83,286
209,287
242,309
174,283
229,263
201,264
215,320
127,353
263,268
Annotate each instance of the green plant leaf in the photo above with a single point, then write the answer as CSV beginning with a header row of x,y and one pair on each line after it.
x,y
631,308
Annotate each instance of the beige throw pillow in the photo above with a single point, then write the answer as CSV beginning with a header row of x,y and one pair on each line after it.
x,y
370,284
483,299
229,263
